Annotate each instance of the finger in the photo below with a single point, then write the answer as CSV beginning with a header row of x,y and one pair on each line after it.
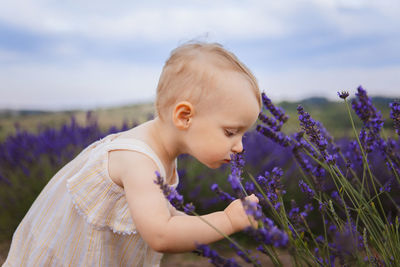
x,y
253,198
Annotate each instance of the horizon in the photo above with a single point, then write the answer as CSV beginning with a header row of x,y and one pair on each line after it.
x,y
308,99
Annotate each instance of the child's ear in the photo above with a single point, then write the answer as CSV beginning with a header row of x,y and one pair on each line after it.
x,y
182,115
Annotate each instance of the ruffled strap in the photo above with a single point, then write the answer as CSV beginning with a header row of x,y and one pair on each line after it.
x,y
142,147
96,197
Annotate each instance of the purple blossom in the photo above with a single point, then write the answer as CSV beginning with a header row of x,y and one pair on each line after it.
x,y
243,255
253,209
272,126
386,187
172,195
371,118
277,137
306,189
214,257
364,109
272,123
343,94
269,236
250,188
234,178
346,241
222,195
395,115
313,130
278,113
272,186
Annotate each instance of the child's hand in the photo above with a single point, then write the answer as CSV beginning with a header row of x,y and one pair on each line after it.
x,y
237,215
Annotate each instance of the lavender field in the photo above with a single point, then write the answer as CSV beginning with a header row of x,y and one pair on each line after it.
x,y
325,200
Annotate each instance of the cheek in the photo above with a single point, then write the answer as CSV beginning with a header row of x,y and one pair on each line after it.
x,y
211,148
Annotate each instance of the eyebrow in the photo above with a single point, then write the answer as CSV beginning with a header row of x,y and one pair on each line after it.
x,y
236,127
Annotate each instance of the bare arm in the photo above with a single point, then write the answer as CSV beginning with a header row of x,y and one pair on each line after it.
x,y
152,214
174,211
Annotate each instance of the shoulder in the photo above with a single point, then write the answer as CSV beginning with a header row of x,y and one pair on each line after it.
x,y
128,164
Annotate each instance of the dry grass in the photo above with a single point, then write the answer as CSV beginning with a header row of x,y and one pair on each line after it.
x,y
106,117
181,259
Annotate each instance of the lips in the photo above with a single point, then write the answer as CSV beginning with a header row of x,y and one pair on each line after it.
x,y
227,160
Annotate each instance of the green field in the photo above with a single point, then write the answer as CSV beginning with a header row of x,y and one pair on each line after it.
x,y
32,120
332,114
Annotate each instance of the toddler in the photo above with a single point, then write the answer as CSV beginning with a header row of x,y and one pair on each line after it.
x,y
103,208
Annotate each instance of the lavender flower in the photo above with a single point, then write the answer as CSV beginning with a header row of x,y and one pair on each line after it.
x,y
243,255
172,195
343,94
298,217
306,189
371,118
278,113
310,127
386,187
395,115
214,257
274,124
272,187
269,236
223,195
253,209
364,109
346,242
234,178
277,137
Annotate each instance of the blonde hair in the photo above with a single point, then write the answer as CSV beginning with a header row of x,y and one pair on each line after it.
x,y
187,73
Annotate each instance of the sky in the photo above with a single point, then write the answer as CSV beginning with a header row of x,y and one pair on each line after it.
x,y
85,54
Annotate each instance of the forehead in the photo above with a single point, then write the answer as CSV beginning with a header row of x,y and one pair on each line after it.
x,y
233,98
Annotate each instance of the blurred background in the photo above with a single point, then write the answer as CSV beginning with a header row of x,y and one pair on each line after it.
x,y
61,59
87,54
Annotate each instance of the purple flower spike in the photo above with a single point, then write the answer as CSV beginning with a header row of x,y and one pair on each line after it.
x,y
306,189
237,163
366,111
243,255
271,185
277,137
395,115
172,195
253,209
214,258
278,113
343,94
317,134
269,236
222,195
274,124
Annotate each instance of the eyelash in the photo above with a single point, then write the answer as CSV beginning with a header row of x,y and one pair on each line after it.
x,y
229,133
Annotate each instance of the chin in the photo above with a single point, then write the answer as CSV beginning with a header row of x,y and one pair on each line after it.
x,y
214,165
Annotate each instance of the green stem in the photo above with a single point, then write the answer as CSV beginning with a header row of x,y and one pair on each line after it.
x,y
227,237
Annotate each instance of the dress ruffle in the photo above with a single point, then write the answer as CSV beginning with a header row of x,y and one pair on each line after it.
x,y
99,200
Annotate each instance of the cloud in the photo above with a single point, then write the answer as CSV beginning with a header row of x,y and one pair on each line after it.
x,y
85,85
151,22
300,84
57,54
157,21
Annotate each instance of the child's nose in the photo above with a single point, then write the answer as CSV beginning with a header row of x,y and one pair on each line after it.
x,y
238,146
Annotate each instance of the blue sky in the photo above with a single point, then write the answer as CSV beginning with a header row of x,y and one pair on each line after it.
x,y
86,54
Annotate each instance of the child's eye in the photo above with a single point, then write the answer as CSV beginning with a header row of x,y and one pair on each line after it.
x,y
229,133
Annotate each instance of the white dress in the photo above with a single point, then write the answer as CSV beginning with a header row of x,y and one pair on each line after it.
x,y
81,218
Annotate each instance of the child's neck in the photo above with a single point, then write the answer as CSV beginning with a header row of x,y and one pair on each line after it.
x,y
165,141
